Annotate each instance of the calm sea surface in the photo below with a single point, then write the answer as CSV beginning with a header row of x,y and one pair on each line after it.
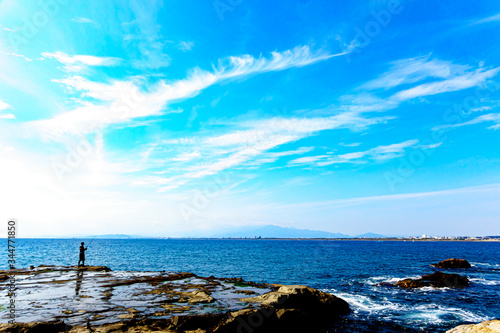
x,y
349,269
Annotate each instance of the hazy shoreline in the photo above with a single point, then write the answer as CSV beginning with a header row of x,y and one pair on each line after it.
x,y
345,239
277,238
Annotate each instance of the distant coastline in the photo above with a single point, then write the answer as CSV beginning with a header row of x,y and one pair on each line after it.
x,y
274,232
344,239
385,239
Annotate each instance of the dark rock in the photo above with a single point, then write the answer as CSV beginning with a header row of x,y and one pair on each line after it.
x,y
289,309
310,300
184,323
94,269
436,280
52,268
240,282
248,320
293,320
453,263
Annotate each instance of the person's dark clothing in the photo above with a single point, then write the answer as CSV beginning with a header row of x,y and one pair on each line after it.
x,y
82,255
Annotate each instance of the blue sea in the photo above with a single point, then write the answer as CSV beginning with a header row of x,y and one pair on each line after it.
x,y
352,270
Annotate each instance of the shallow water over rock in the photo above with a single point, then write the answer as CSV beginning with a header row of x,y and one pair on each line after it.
x,y
76,295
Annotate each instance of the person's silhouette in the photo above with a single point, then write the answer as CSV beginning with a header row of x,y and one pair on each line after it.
x,y
82,255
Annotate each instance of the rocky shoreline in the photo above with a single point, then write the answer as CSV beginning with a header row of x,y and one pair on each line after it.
x,y
96,299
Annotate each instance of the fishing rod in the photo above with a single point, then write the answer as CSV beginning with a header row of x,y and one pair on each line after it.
x,y
91,241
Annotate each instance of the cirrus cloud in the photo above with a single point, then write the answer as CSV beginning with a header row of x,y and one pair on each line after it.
x,y
78,63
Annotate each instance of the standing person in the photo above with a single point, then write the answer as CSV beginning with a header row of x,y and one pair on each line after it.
x,y
82,255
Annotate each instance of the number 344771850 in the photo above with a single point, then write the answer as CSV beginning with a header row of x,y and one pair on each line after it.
x,y
11,231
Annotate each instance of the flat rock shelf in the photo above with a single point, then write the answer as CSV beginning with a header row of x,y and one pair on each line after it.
x,y
86,299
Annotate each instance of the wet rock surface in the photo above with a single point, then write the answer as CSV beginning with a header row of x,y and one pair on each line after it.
x,y
71,299
453,263
436,280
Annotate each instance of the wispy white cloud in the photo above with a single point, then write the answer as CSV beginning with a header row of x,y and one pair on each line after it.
x,y
406,71
144,33
272,157
390,151
379,153
489,117
4,106
16,55
297,57
354,144
249,145
185,46
299,151
187,156
481,109
489,19
431,146
395,197
308,159
464,81
125,101
210,154
20,56
77,63
250,142
441,76
83,20
256,131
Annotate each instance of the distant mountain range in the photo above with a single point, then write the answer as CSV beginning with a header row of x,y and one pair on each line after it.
x,y
370,235
274,231
266,231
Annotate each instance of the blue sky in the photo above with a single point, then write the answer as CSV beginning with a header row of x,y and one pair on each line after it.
x,y
176,118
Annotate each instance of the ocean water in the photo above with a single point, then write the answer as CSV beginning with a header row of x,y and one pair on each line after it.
x,y
352,270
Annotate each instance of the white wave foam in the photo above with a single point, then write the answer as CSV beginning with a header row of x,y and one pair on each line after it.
x,y
388,279
362,303
485,282
439,314
425,313
485,265
433,289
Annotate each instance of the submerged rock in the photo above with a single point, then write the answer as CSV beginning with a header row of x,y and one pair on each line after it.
x,y
453,263
72,299
492,326
436,280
